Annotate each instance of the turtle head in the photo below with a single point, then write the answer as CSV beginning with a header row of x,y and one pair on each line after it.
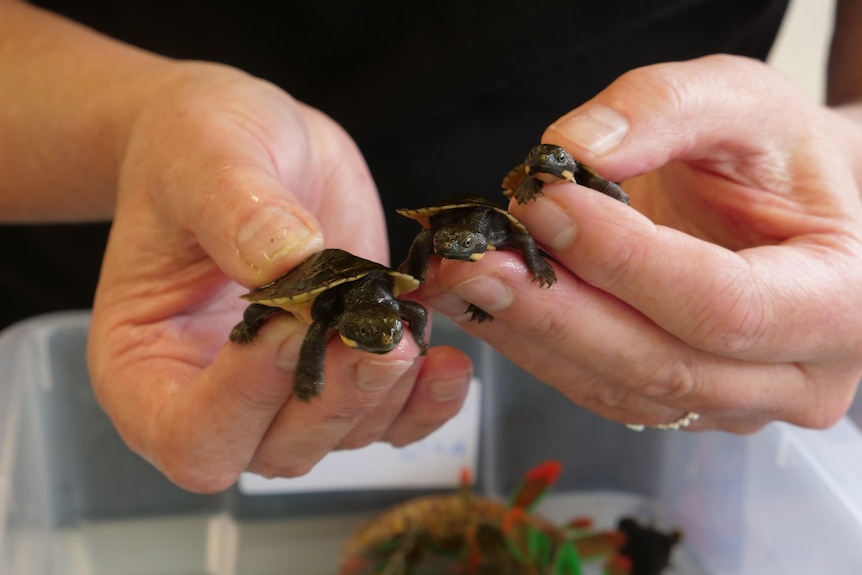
x,y
372,328
459,243
550,163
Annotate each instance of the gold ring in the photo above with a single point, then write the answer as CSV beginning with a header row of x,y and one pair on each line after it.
x,y
680,423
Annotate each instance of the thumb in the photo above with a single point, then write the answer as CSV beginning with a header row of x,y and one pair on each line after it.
x,y
714,264
256,230
686,111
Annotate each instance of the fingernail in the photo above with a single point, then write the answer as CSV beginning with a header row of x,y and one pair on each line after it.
x,y
487,292
271,234
597,128
449,389
376,375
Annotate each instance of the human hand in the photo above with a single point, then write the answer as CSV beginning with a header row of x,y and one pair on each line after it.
x,y
224,179
731,291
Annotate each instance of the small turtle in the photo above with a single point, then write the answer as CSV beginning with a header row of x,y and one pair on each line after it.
x,y
464,228
549,163
336,289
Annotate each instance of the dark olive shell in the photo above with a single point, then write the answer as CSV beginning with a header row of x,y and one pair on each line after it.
x,y
296,290
424,214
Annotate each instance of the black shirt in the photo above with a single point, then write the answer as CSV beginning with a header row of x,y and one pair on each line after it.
x,y
442,97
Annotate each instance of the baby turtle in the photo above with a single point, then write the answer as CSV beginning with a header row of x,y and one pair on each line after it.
x,y
464,228
338,290
549,163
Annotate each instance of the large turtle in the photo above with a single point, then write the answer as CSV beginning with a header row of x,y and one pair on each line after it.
x,y
334,289
549,163
466,227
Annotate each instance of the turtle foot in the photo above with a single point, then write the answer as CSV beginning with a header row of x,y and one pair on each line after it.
x,y
527,190
253,318
477,314
243,333
306,389
544,275
521,186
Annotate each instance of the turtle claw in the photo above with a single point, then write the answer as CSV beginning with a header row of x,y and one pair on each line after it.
x,y
477,314
527,190
545,275
253,318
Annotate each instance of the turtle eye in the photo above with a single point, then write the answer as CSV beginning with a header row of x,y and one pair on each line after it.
x,y
468,242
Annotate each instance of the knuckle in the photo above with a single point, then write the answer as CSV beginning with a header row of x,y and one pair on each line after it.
x,y
196,479
824,413
740,426
609,396
358,440
293,467
427,420
662,81
416,433
346,414
544,321
620,264
733,320
818,419
664,381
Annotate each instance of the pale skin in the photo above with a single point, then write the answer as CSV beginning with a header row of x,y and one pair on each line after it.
x,y
732,289
222,181
729,289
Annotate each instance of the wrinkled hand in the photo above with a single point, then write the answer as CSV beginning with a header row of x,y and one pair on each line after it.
x,y
731,290
227,179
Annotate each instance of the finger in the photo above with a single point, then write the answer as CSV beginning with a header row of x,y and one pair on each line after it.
x,y
256,229
350,211
438,395
199,427
258,220
747,164
655,114
372,424
607,356
356,384
730,303
739,304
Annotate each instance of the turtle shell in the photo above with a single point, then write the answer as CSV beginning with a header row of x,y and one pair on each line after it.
x,y
513,179
424,214
297,289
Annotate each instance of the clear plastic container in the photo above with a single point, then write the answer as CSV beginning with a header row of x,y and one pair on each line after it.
x,y
74,500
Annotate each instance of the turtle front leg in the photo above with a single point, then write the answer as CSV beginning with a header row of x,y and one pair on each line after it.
x,y
588,177
543,272
520,185
308,379
254,316
528,188
416,262
416,317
